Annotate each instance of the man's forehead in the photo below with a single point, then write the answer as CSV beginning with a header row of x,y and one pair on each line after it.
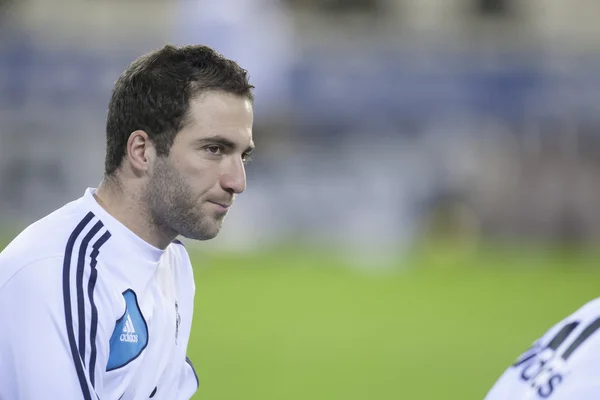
x,y
229,135
232,113
218,101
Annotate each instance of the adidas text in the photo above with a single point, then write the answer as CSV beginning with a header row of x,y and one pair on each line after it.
x,y
129,337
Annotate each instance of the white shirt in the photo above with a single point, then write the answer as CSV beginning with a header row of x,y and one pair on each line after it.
x,y
89,310
564,364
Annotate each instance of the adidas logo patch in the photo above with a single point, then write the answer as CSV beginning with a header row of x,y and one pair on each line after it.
x,y
128,334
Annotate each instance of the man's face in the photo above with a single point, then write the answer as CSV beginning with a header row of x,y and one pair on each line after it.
x,y
191,189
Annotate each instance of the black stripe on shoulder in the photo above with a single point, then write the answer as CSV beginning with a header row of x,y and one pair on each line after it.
x,y
187,360
79,285
177,241
67,303
583,336
91,285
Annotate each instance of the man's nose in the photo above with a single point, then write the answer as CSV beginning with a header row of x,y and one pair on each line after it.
x,y
234,177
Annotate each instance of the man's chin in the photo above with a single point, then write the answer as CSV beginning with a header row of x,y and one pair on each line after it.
x,y
201,237
203,234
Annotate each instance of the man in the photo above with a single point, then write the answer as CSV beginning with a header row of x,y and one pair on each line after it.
x,y
96,299
561,365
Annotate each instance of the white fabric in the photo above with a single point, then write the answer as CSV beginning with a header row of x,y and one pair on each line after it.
x,y
546,372
54,279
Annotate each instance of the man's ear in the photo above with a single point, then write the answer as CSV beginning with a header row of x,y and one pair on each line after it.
x,y
140,151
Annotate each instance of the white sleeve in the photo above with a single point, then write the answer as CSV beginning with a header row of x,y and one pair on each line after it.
x,y
582,383
587,392
50,347
188,384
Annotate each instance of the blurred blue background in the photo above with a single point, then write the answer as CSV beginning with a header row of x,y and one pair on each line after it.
x,y
452,146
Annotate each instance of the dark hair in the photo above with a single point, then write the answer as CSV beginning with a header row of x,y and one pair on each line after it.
x,y
154,93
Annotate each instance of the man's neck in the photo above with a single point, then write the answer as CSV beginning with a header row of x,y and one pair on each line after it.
x,y
128,210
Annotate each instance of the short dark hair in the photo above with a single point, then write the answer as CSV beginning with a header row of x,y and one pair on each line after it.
x,y
154,93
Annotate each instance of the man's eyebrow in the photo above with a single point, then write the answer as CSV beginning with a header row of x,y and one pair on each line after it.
x,y
223,141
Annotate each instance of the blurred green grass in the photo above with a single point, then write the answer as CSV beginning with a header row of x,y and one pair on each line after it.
x,y
444,323
302,325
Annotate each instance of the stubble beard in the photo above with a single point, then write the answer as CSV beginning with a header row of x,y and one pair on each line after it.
x,y
173,206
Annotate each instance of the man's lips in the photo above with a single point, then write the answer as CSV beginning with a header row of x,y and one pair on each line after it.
x,y
222,204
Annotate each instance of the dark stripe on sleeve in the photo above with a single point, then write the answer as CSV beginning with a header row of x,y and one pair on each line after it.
x,y
67,302
562,335
583,336
79,284
193,370
94,322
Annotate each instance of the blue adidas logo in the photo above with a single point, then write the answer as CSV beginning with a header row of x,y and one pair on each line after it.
x,y
130,336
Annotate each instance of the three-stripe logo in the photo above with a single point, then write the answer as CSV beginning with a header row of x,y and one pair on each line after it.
x,y
128,334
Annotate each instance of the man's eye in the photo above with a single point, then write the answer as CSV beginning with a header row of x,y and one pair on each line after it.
x,y
215,150
246,158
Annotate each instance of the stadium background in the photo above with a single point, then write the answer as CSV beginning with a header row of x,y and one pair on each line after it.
x,y
422,204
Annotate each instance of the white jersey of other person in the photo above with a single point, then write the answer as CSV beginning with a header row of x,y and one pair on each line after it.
x,y
562,365
90,310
